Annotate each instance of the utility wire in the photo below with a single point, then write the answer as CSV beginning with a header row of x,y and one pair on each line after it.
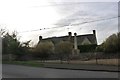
x,y
94,21
71,24
66,4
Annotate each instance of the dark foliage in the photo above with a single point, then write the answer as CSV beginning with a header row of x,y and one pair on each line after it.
x,y
87,48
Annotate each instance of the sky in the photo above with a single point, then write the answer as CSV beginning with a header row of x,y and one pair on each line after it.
x,y
32,18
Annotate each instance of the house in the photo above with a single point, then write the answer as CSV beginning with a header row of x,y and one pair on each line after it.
x,y
87,39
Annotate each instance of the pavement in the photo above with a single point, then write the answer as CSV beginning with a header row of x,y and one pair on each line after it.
x,y
86,67
19,71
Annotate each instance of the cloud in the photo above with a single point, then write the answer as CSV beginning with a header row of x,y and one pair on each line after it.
x,y
119,16
63,14
98,14
82,13
87,12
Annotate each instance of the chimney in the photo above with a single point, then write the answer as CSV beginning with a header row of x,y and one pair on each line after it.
x,y
40,38
94,32
75,34
75,41
70,34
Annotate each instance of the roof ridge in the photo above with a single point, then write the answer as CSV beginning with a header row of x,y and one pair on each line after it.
x,y
68,35
85,35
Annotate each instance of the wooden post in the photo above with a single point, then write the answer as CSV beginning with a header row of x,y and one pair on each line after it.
x,y
96,58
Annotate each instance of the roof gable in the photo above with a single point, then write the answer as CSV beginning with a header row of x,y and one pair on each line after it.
x,y
85,41
91,38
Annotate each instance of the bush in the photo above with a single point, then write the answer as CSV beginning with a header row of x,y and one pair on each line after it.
x,y
64,49
43,50
87,48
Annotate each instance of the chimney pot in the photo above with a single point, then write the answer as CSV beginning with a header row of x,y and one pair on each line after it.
x,y
40,38
75,34
94,32
70,33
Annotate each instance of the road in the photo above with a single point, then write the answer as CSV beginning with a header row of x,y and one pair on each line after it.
x,y
17,71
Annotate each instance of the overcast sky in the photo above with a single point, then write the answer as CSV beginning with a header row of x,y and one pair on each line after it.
x,y
75,16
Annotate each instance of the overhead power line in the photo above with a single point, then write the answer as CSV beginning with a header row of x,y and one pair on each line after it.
x,y
71,24
54,4
94,21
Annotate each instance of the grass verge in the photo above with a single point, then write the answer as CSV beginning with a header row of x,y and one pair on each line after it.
x,y
107,62
25,63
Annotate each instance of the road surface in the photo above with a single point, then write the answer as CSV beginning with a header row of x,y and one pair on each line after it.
x,y
17,71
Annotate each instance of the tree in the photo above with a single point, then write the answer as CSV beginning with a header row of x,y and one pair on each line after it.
x,y
111,44
2,32
11,45
100,48
24,50
64,50
43,50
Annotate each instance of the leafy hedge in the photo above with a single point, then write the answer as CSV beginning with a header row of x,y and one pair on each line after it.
x,y
87,48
